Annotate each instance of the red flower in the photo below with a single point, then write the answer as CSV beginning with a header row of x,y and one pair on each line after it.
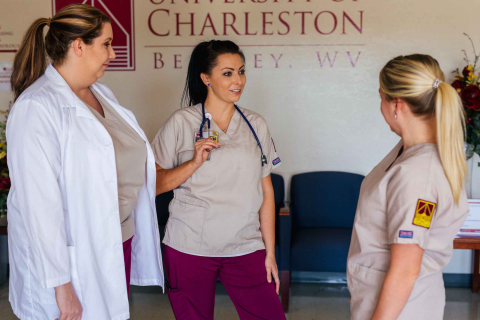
x,y
469,120
5,183
466,72
471,97
457,84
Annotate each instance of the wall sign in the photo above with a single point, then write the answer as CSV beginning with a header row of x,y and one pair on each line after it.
x,y
122,14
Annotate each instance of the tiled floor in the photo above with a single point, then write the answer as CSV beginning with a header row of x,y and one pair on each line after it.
x,y
308,302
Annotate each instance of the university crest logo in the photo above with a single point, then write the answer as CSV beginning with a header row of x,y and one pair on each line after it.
x,y
424,213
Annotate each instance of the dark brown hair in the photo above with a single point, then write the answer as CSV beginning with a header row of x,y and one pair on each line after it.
x,y
76,21
203,60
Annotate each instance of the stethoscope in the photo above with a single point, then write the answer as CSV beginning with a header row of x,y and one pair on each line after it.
x,y
207,117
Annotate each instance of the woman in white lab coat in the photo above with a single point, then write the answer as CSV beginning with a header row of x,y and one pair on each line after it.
x,y
67,257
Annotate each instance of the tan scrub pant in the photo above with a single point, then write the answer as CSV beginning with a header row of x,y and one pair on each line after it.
x,y
426,302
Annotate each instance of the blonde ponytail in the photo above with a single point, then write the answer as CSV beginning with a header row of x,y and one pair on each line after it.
x,y
31,59
451,137
412,79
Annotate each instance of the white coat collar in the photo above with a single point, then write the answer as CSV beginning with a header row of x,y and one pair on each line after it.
x,y
68,97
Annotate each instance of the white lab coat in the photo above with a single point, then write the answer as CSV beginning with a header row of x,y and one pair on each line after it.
x,y
63,216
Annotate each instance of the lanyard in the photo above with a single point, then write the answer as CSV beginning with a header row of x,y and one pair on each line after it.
x,y
263,158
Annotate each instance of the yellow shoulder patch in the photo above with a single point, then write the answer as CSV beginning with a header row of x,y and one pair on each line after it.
x,y
424,213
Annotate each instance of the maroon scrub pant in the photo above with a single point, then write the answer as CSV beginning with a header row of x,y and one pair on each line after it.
x,y
127,256
192,280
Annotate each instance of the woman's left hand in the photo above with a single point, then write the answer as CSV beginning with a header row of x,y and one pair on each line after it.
x,y
272,270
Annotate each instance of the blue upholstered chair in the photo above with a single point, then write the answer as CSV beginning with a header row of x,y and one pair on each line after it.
x,y
316,235
279,191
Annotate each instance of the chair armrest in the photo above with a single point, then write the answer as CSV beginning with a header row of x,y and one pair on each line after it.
x,y
285,238
285,211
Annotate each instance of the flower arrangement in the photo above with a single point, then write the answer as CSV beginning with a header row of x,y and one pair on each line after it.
x,y
4,177
467,84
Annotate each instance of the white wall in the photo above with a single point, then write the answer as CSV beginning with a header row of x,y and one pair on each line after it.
x,y
322,118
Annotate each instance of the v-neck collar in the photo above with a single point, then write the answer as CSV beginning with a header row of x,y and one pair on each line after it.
x,y
399,153
232,127
402,153
109,115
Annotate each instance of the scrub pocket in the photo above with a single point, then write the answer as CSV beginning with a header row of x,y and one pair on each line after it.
x,y
186,147
185,155
364,285
232,232
185,224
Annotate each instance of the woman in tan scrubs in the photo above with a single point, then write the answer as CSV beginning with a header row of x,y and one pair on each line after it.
x,y
413,202
222,219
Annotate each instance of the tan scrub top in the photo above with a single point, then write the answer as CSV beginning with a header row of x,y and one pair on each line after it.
x,y
405,199
216,211
130,160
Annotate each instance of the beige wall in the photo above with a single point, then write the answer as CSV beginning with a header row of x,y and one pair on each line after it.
x,y
322,118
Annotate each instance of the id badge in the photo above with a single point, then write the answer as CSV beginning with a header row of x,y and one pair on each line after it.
x,y
214,137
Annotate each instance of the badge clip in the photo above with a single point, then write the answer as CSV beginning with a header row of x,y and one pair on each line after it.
x,y
214,136
264,160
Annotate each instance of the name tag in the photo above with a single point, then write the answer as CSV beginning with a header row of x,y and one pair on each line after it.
x,y
405,234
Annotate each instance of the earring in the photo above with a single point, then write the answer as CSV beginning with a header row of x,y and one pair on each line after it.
x,y
208,84
395,115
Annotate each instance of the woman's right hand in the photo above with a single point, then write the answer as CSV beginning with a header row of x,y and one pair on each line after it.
x,y
67,301
202,149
